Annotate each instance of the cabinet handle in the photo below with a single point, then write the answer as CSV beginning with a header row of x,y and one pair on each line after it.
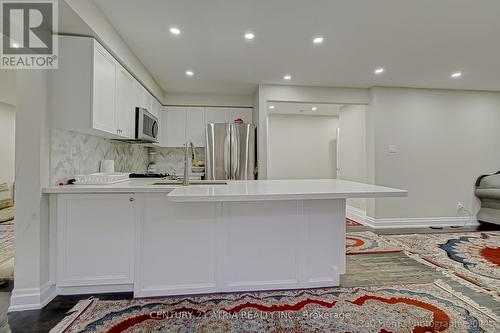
x,y
131,199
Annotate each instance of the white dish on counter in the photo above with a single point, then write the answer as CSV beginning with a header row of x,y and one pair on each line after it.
x,y
101,178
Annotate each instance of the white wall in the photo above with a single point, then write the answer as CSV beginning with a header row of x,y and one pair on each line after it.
x,y
302,147
444,138
288,93
7,124
7,142
352,155
8,86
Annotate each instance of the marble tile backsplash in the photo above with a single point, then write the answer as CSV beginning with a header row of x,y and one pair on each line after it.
x,y
74,153
171,160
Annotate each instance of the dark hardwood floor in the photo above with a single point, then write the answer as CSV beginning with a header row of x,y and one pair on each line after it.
x,y
42,321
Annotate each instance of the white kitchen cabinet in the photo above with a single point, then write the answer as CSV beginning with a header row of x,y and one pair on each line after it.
x,y
92,93
143,97
227,115
162,116
217,115
183,125
175,123
165,262
95,241
156,108
149,102
103,101
244,113
125,103
195,126
188,124
139,95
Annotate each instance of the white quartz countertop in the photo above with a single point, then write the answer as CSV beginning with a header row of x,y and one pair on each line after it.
x,y
136,185
241,190
302,189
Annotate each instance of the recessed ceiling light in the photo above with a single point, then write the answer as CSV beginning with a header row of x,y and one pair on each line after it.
x,y
379,70
456,75
189,73
15,45
287,77
249,35
318,40
175,31
314,108
271,107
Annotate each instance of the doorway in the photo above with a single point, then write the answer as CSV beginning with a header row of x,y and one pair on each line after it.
x,y
318,141
302,139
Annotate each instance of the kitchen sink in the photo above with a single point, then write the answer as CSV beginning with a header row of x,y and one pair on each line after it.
x,y
192,182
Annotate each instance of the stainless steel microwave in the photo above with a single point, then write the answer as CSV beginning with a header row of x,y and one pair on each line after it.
x,y
146,125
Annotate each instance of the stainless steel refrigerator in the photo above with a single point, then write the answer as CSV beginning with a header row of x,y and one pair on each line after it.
x,y
230,151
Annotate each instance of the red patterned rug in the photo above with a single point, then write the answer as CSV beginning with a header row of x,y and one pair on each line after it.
x,y
410,308
473,256
352,223
367,242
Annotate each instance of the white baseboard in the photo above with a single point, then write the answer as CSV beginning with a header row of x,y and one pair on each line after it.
x,y
357,215
32,298
360,216
37,298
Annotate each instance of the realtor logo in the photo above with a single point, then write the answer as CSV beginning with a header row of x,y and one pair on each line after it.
x,y
28,34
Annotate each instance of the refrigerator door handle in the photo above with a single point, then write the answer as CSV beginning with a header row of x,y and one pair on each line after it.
x,y
227,154
235,152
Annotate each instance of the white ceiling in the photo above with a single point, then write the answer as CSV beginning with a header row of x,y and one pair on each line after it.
x,y
304,109
419,42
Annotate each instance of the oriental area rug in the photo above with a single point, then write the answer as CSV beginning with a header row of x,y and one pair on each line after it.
x,y
367,242
402,308
473,256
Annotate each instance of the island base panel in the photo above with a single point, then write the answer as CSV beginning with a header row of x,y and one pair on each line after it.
x,y
190,248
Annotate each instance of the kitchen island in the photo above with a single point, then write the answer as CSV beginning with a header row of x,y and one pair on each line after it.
x,y
160,240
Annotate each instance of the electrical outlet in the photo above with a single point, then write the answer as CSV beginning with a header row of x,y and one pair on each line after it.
x,y
460,205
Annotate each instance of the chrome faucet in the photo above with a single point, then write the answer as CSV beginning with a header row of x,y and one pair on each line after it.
x,y
185,181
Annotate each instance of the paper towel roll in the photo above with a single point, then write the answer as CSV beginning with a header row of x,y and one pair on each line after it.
x,y
107,166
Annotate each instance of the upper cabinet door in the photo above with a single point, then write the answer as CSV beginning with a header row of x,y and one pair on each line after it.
x,y
163,118
125,103
103,93
155,107
195,126
138,95
150,103
244,113
217,115
143,97
176,127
